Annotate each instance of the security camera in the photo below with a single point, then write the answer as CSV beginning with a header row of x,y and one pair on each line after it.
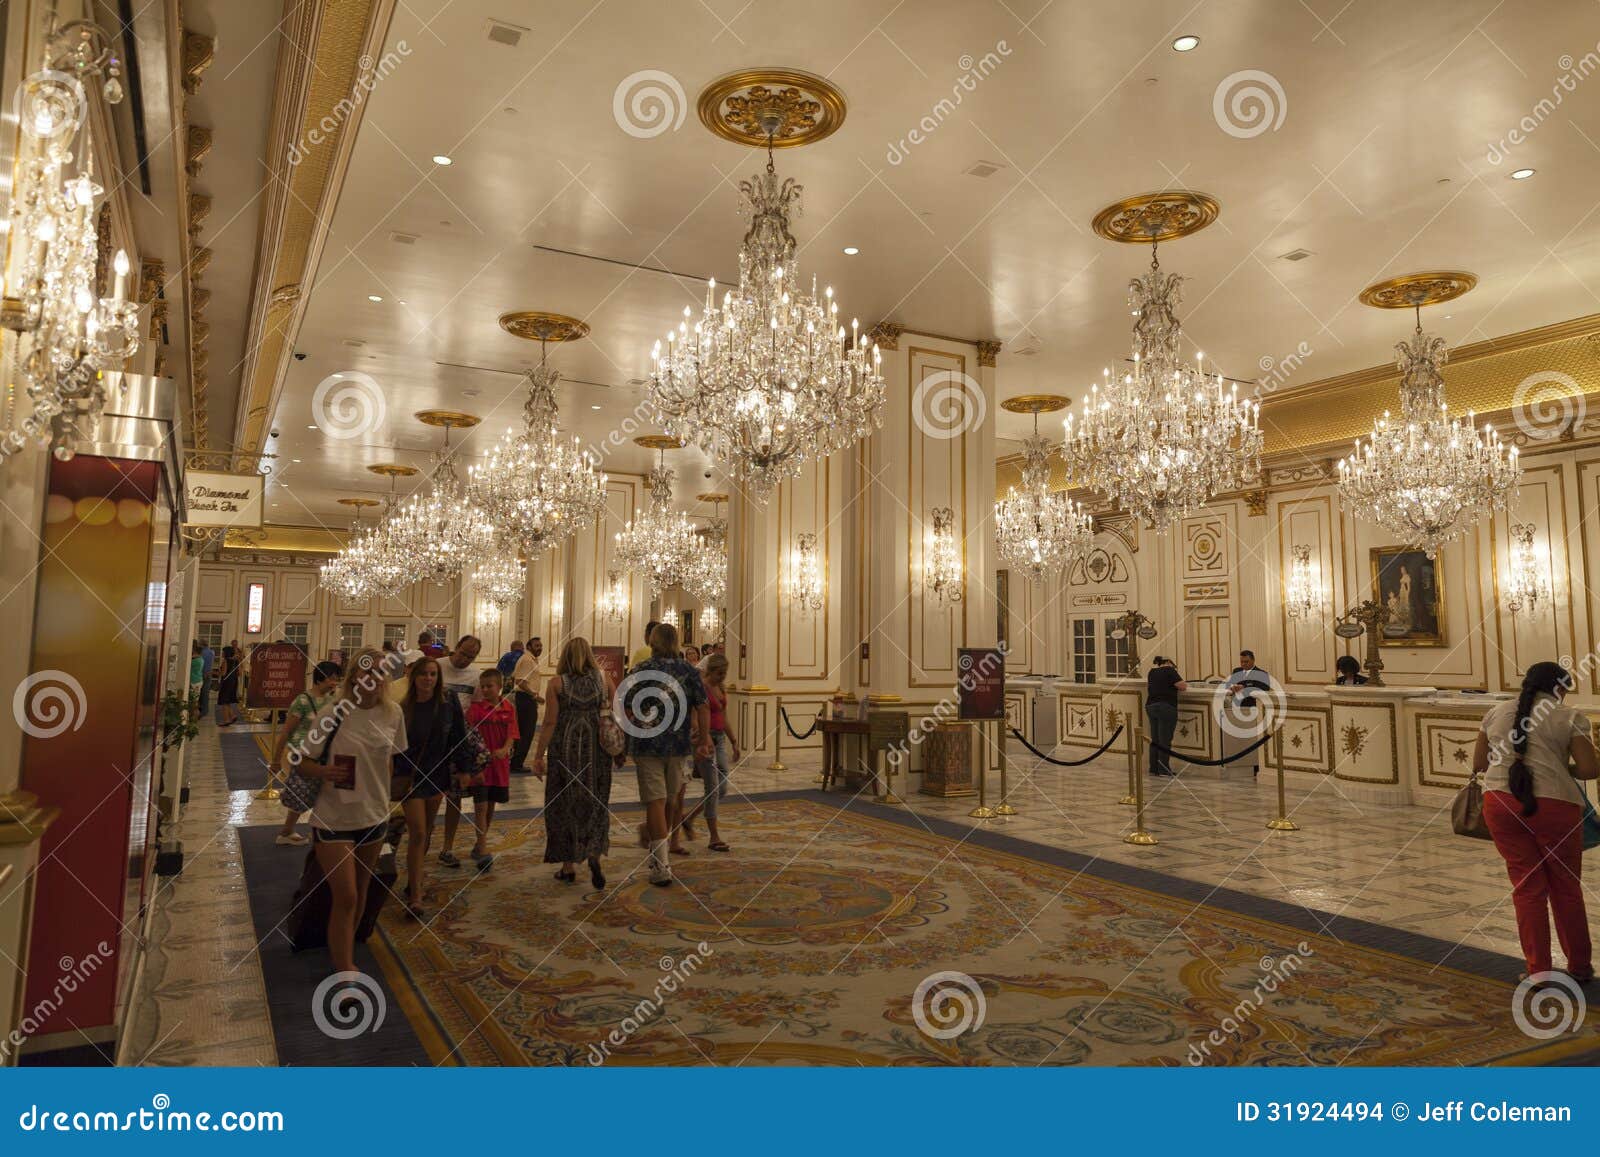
x,y
299,357
274,433
708,474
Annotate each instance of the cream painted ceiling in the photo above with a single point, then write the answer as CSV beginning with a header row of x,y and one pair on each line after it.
x,y
1380,166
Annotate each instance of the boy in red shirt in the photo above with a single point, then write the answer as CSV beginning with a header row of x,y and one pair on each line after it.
x,y
495,719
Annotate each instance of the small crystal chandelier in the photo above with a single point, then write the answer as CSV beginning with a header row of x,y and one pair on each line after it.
x,y
536,488
806,589
1037,533
1526,585
768,379
1426,478
339,574
615,601
943,572
659,543
1167,438
74,337
706,575
444,532
500,582
1302,595
374,562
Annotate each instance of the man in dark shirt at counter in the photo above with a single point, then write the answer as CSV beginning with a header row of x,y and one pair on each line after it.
x,y
1161,688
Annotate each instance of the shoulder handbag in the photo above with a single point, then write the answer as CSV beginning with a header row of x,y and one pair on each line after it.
x,y
1466,811
300,791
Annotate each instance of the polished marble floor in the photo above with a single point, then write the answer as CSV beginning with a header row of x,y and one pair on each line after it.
x,y
202,999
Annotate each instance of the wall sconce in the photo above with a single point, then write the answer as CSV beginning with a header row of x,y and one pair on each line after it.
x,y
709,621
1527,583
670,617
1302,593
614,603
943,573
806,589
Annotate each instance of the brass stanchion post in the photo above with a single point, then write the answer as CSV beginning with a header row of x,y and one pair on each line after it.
x,y
1282,822
1132,798
983,811
1139,836
888,795
269,791
777,737
1004,808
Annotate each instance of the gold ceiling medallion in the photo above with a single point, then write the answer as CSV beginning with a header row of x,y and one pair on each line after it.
x,y
659,442
792,108
392,470
447,419
359,503
1414,289
1156,217
1035,403
537,325
711,496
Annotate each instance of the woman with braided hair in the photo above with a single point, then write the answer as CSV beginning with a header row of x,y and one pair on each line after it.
x,y
1531,753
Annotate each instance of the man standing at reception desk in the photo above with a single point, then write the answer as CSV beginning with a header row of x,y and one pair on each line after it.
x,y
1245,681
1161,687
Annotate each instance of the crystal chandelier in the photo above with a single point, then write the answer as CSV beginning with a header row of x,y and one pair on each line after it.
x,y
536,488
499,582
374,562
943,572
659,543
73,336
1037,533
767,379
443,532
706,575
615,601
1526,585
806,589
1167,437
1426,478
339,574
1302,596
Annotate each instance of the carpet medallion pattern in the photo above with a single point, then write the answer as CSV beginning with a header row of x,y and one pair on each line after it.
x,y
809,943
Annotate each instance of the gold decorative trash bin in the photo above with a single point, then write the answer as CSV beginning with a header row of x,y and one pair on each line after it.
x,y
947,761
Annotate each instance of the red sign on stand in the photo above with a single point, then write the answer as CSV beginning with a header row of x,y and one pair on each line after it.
x,y
981,682
613,663
277,675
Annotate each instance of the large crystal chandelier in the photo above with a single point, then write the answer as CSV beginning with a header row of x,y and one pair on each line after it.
x,y
706,574
1037,533
73,336
659,543
1426,478
339,574
1166,437
375,562
443,531
768,379
536,487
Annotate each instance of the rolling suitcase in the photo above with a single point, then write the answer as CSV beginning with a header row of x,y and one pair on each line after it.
x,y
308,919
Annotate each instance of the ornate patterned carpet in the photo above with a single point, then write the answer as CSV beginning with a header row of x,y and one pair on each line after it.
x,y
809,943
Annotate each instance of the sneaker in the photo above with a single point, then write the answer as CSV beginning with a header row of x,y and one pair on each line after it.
x,y
449,860
292,840
661,879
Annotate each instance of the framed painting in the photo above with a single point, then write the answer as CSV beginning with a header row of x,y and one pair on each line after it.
x,y
1407,583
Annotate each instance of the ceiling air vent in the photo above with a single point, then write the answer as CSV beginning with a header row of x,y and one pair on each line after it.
x,y
636,381
1295,255
352,343
403,238
508,34
983,169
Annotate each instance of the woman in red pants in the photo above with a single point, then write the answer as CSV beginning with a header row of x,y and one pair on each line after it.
x,y
1532,753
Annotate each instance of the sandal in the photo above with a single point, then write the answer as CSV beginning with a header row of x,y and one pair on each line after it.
x,y
567,877
449,859
717,846
484,862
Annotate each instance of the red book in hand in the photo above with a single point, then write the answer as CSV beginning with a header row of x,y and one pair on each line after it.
x,y
345,765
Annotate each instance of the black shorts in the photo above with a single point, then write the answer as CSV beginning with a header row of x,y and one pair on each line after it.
x,y
360,837
485,794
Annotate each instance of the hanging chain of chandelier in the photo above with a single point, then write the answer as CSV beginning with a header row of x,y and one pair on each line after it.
x,y
72,336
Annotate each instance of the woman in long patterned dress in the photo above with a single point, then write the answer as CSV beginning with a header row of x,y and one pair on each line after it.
x,y
577,775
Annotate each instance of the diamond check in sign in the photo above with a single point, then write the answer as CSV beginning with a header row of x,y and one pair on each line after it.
x,y
216,499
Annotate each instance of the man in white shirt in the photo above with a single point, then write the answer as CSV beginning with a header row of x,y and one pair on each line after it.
x,y
525,689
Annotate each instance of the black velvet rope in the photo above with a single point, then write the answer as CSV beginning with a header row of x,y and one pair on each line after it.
x,y
1213,762
784,715
1068,762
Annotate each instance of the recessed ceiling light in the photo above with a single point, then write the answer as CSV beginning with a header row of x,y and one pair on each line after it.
x,y
1522,174
1186,44
294,460
312,427
594,407
373,297
441,159
851,251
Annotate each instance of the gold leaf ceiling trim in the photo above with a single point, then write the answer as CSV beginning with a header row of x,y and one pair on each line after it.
x,y
318,68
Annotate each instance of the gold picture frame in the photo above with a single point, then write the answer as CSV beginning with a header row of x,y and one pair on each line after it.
x,y
1411,586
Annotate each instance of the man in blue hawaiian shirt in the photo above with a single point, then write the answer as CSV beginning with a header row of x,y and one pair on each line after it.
x,y
667,719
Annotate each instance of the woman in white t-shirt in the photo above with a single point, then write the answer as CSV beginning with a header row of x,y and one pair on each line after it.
x,y
351,815
1531,753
